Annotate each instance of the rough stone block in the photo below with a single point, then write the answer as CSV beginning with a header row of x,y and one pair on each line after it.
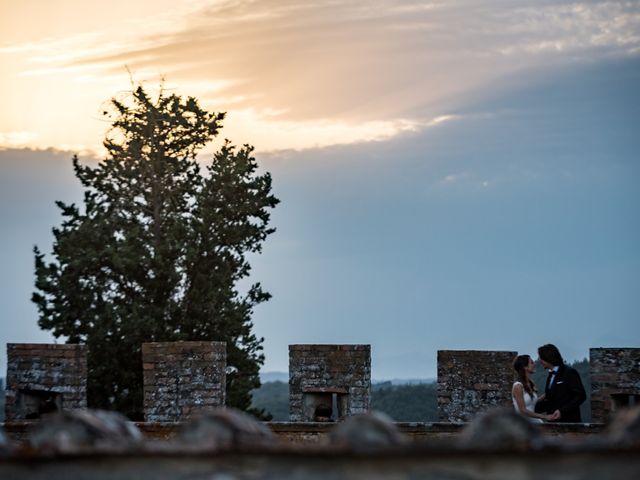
x,y
42,378
182,379
472,381
342,372
615,380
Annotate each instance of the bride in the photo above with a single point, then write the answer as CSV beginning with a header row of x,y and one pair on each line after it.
x,y
524,393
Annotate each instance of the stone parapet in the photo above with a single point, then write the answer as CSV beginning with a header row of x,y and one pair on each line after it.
x,y
182,379
472,381
328,381
615,380
323,464
317,433
43,378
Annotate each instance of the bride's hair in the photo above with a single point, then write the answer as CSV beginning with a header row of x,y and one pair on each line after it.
x,y
519,365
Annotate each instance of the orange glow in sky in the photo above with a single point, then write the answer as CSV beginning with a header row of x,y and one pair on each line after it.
x,y
290,74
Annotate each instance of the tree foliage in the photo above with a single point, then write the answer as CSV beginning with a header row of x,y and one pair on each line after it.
x,y
273,397
406,403
158,250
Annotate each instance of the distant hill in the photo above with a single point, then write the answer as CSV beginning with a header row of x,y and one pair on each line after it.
x,y
266,377
274,398
405,381
406,403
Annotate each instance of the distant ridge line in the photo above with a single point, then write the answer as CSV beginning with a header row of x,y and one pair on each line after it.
x,y
266,377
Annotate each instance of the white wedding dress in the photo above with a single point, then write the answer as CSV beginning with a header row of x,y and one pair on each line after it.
x,y
529,402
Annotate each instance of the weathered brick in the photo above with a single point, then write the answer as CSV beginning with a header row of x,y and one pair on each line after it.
x,y
470,381
44,376
614,372
180,377
326,367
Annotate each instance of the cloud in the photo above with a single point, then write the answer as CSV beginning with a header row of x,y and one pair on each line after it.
x,y
441,119
359,71
272,129
575,27
16,139
292,50
466,179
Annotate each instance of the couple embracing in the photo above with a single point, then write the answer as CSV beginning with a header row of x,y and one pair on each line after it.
x,y
563,392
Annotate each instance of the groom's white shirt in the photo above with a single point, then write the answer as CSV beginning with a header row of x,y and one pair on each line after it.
x,y
553,372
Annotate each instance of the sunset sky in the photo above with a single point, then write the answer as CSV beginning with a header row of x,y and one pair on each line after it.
x,y
453,174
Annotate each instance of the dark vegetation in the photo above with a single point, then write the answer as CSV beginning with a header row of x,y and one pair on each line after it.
x,y
406,403
273,397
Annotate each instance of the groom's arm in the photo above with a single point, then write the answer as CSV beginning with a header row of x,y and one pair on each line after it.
x,y
541,406
577,394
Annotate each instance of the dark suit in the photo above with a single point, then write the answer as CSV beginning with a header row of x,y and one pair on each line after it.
x,y
566,394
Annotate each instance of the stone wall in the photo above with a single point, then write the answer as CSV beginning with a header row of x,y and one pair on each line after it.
x,y
498,445
42,378
329,464
615,380
337,377
471,381
182,379
299,433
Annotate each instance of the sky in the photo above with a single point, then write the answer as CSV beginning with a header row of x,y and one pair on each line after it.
x,y
453,175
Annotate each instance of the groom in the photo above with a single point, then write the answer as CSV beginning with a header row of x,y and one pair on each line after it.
x,y
564,392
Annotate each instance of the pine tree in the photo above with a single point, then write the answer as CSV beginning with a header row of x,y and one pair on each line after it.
x,y
158,250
